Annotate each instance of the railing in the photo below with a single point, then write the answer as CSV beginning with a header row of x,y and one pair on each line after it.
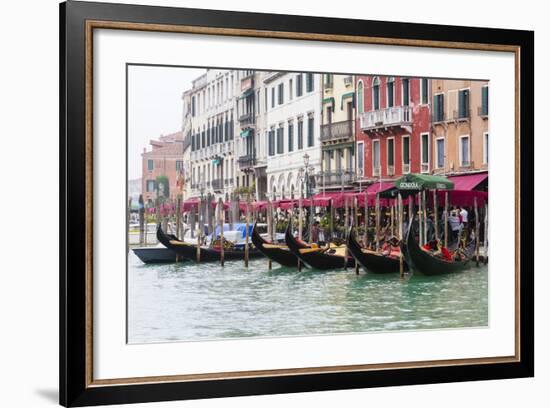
x,y
438,117
425,168
391,170
348,80
461,114
376,171
337,131
246,119
406,168
217,184
336,178
483,111
394,116
248,160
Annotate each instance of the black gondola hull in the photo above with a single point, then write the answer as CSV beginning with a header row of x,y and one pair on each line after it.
x,y
279,255
374,263
316,260
424,263
155,255
189,251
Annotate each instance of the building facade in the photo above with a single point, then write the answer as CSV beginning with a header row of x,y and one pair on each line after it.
x,y
460,126
164,159
210,119
250,145
393,128
293,119
337,132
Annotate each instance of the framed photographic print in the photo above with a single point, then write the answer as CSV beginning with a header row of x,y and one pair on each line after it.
x,y
256,203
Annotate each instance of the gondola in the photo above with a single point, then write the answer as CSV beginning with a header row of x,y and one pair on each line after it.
x,y
153,255
207,254
276,252
317,258
373,261
423,262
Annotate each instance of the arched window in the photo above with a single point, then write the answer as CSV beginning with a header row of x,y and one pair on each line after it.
x,y
360,102
376,93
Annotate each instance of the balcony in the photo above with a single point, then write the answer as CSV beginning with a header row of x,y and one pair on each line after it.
x,y
397,116
461,115
338,131
336,178
391,170
438,117
246,119
406,168
217,184
348,80
247,161
483,111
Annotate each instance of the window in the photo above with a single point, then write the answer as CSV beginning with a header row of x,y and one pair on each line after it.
x,y
376,157
360,105
439,106
309,82
310,131
328,81
440,153
406,154
376,93
406,91
485,148
485,101
290,89
424,91
391,155
300,134
464,104
193,112
281,93
425,152
280,141
360,158
266,105
150,165
150,186
299,85
390,91
179,165
464,151
290,136
273,97
271,142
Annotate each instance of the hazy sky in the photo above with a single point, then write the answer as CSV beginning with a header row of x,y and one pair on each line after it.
x,y
154,107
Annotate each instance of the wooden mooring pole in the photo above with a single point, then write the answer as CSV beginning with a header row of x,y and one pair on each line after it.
x,y
221,220
476,212
247,215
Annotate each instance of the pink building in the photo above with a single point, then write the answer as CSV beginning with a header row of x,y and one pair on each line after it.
x,y
164,159
392,126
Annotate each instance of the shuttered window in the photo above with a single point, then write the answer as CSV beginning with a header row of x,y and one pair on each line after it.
x,y
439,107
310,131
280,145
290,136
464,104
300,134
485,101
299,85
271,142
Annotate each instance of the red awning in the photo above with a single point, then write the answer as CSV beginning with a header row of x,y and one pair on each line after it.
x,y
468,181
383,186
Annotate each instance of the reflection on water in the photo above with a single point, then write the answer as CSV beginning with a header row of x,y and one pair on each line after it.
x,y
187,301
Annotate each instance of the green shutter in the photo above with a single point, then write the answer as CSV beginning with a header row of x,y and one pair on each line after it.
x,y
436,108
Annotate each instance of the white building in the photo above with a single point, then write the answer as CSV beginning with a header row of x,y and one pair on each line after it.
x,y
251,145
209,116
293,122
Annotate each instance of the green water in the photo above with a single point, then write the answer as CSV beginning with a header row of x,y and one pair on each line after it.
x,y
186,301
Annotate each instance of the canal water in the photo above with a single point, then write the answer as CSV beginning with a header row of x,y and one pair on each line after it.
x,y
186,301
